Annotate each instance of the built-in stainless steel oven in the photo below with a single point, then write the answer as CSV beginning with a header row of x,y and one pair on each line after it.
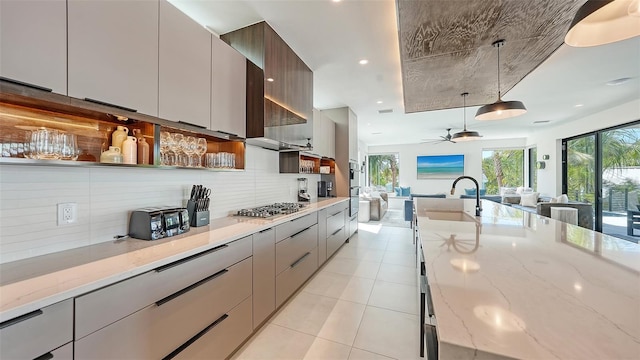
x,y
354,188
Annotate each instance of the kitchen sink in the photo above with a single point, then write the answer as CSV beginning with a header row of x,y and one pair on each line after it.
x,y
449,216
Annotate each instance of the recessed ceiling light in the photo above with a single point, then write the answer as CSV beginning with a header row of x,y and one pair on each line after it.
x,y
336,0
619,81
376,133
368,124
270,79
363,62
379,102
578,105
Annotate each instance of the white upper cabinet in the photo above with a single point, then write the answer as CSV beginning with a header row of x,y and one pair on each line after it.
x,y
113,52
33,40
228,89
324,135
185,68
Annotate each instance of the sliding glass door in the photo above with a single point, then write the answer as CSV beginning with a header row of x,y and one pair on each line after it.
x,y
603,168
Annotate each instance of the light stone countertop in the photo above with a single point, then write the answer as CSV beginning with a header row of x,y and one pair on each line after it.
x,y
520,285
30,284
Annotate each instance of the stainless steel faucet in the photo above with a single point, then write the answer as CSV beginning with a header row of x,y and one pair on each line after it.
x,y
453,190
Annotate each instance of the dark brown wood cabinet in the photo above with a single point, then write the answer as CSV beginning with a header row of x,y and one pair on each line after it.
x,y
288,81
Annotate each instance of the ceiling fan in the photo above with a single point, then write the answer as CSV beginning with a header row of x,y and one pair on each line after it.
x,y
442,139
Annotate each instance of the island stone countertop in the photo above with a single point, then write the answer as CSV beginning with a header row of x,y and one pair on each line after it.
x,y
30,284
511,284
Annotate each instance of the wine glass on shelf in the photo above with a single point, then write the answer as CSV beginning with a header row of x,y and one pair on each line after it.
x,y
177,147
164,147
201,149
188,146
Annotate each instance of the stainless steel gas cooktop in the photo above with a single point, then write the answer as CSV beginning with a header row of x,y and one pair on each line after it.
x,y
271,210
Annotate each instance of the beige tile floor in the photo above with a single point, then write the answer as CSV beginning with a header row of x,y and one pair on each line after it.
x,y
362,304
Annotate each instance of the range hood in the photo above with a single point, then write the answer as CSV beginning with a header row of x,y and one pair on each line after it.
x,y
271,125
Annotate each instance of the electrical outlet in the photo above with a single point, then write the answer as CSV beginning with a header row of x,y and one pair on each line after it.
x,y
67,213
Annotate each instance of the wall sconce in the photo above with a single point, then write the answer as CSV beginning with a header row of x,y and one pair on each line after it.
x,y
541,165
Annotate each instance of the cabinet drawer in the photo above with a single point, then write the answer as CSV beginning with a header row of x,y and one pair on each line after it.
x,y
335,222
38,332
219,339
290,280
287,229
335,240
104,306
291,249
335,208
162,327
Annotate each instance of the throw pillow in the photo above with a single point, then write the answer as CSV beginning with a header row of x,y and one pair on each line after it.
x,y
523,190
483,192
471,191
397,191
375,194
405,191
529,199
507,191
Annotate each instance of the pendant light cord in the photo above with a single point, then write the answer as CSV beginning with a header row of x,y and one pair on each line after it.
x,y
464,110
498,44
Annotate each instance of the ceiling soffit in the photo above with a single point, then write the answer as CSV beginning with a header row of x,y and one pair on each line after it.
x,y
445,47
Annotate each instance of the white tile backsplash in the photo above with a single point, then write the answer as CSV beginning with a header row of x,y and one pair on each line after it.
x,y
105,195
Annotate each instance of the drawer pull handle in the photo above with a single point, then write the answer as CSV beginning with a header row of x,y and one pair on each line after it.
x,y
265,230
46,356
190,287
20,319
195,337
432,341
226,133
337,231
109,104
18,82
186,123
336,213
295,263
189,258
298,233
429,301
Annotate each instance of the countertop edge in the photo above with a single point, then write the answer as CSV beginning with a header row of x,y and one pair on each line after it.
x,y
9,312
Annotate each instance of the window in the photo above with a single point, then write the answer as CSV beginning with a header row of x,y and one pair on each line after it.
x,y
502,168
384,171
533,170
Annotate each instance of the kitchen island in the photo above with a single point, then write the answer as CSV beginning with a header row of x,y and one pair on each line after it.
x,y
510,284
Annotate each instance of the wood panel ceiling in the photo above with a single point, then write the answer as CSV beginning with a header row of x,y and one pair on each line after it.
x,y
445,47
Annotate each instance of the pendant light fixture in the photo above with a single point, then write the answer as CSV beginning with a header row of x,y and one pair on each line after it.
x,y
600,22
500,109
465,135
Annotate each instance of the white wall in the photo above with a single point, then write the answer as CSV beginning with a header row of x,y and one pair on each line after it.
x,y
548,140
105,195
471,150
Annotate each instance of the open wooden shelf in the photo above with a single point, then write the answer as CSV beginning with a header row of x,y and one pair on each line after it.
x,y
25,110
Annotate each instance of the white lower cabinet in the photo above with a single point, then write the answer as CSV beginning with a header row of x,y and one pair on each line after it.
x,y
37,333
288,281
264,275
163,327
223,336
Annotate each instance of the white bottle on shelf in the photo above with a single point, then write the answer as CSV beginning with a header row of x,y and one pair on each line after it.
x,y
130,150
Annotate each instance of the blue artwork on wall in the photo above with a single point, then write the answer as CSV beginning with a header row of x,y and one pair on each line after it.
x,y
440,166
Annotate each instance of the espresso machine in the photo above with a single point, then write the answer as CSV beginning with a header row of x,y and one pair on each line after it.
x,y
303,193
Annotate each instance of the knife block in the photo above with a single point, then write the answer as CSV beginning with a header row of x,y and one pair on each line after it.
x,y
197,218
